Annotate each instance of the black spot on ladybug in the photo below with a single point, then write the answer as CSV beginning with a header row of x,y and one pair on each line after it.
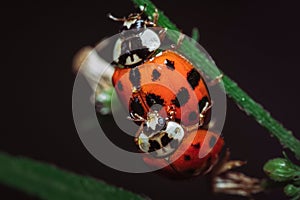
x,y
165,140
196,146
202,103
193,77
212,141
170,64
187,157
182,97
135,77
155,75
120,86
136,106
154,145
174,144
192,116
152,99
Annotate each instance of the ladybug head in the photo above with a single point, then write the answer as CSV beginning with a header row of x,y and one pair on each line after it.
x,y
161,143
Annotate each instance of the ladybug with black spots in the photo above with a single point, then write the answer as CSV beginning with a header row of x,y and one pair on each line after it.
x,y
168,98
167,83
136,42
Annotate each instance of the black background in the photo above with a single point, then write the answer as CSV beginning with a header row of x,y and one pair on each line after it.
x,y
256,43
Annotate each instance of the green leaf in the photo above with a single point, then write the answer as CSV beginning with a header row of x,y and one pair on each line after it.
x,y
49,182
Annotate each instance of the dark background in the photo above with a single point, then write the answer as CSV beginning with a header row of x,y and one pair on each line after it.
x,y
256,43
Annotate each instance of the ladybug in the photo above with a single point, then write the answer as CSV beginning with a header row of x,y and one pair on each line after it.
x,y
167,83
136,42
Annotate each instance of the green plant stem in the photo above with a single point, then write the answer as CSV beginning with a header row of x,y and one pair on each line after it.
x,y
241,98
48,182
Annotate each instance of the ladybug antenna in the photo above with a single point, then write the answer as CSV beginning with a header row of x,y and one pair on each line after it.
x,y
115,18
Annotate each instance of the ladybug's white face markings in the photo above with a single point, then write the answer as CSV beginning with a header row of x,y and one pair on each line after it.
x,y
143,142
135,59
150,40
175,131
154,119
164,142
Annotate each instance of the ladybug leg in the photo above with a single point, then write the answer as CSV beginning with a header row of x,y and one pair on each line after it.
x,y
139,131
215,81
211,82
171,112
162,34
179,42
155,16
116,19
203,112
135,117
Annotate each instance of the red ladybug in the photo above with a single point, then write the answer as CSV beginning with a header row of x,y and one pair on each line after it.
x,y
167,83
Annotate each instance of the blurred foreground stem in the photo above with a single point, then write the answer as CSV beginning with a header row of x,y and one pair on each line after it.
x,y
48,182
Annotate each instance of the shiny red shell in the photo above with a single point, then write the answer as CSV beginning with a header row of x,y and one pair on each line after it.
x,y
196,155
169,80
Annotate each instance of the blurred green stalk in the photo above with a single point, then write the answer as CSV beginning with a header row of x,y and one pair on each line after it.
x,y
48,182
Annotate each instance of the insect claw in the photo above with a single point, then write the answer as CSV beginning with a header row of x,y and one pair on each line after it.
x,y
202,113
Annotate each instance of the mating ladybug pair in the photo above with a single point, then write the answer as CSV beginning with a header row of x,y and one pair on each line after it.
x,y
167,97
